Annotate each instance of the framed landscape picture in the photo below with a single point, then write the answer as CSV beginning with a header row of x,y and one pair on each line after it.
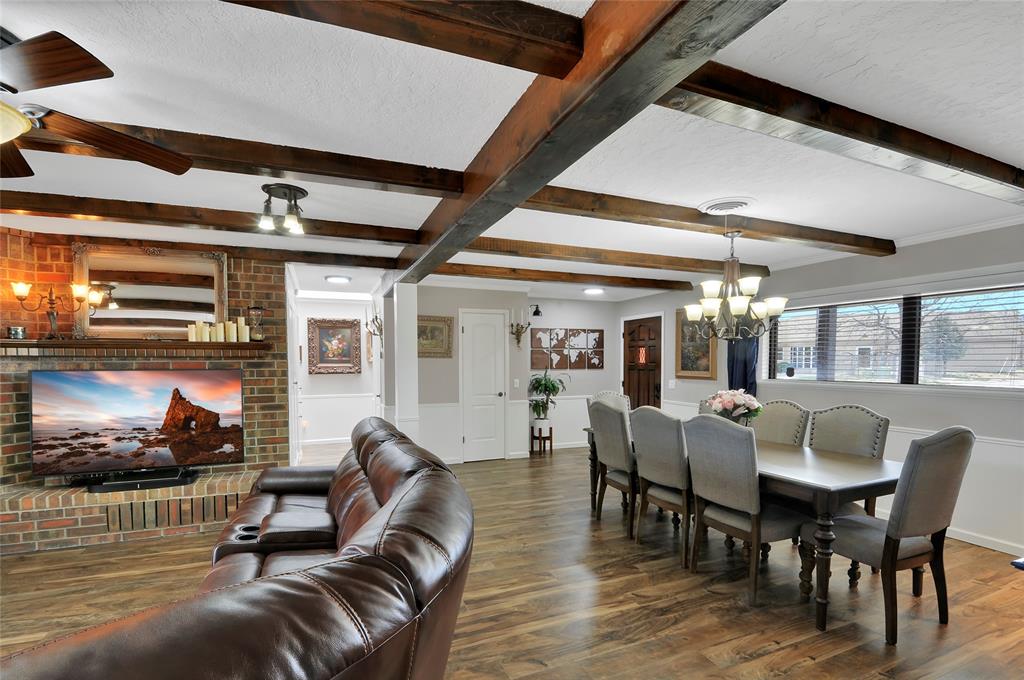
x,y
434,337
695,356
334,346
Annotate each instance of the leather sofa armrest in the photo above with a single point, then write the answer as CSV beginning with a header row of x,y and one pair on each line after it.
x,y
250,630
295,479
298,527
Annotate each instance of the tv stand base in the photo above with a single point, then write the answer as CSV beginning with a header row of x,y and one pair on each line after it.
x,y
133,481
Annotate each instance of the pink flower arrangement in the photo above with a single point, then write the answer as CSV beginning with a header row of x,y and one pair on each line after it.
x,y
734,404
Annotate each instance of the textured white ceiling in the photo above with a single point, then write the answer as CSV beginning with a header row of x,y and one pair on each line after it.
x,y
954,70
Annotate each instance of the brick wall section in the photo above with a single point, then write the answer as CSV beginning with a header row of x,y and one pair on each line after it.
x,y
42,266
264,402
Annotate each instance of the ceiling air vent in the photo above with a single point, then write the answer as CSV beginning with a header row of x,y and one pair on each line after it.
x,y
725,206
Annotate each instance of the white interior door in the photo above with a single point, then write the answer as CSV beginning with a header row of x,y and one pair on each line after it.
x,y
484,358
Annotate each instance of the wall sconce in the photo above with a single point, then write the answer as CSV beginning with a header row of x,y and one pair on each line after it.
x,y
79,292
374,329
519,327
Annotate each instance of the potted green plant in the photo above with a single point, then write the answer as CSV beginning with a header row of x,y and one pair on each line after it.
x,y
544,389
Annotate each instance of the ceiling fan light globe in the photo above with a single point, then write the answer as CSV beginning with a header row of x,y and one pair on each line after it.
x,y
693,312
759,310
13,123
292,224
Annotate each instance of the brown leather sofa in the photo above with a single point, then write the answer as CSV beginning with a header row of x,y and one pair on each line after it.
x,y
378,601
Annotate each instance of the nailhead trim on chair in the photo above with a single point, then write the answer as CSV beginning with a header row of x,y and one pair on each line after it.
x,y
806,414
877,416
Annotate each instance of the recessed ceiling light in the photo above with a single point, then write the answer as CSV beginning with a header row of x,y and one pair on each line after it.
x,y
593,291
725,206
338,279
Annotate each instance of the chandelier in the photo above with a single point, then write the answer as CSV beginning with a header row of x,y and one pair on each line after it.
x,y
728,310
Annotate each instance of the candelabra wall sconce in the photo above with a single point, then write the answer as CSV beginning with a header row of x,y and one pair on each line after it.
x,y
518,327
79,293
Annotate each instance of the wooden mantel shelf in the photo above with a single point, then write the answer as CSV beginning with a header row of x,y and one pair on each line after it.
x,y
121,347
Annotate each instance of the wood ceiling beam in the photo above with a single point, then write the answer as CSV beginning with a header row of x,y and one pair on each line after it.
x,y
733,97
633,54
506,32
623,209
543,275
619,258
126,277
262,254
135,212
294,164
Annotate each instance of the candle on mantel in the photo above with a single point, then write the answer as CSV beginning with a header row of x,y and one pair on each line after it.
x,y
191,332
243,333
204,332
230,331
218,332
240,321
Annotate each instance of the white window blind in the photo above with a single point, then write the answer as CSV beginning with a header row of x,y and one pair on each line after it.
x,y
973,339
865,344
795,351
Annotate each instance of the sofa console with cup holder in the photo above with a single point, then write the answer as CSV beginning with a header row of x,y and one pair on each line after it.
x,y
348,572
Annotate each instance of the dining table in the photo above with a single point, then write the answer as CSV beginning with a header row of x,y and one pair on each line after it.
x,y
824,479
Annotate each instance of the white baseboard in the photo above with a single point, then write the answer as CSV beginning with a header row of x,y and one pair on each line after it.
x,y
1015,549
518,454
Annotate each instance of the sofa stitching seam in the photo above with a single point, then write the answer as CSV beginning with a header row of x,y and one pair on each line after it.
x,y
429,542
412,654
331,593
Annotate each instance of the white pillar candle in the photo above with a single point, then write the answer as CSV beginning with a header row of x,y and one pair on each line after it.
x,y
218,332
204,333
240,321
243,333
191,332
230,331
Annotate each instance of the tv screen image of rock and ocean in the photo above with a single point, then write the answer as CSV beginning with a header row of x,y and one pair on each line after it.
x,y
101,421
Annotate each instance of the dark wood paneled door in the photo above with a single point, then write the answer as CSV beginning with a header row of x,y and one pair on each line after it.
x,y
642,356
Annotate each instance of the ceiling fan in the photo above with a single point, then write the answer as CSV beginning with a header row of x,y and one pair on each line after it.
x,y
53,59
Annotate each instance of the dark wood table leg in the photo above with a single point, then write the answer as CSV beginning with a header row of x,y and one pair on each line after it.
x,y
823,564
593,471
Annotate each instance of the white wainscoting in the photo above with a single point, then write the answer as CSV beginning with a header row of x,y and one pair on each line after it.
x,y
517,428
988,511
568,418
329,418
441,431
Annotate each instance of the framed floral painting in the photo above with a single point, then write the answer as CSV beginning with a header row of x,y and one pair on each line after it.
x,y
334,346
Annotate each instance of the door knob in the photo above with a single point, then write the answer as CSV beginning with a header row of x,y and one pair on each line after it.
x,y
501,394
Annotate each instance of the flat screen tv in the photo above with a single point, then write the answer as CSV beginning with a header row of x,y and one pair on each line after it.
x,y
88,422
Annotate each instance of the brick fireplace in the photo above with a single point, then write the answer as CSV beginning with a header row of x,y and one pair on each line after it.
x,y
39,516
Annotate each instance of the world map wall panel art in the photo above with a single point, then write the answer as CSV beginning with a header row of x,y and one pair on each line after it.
x,y
566,349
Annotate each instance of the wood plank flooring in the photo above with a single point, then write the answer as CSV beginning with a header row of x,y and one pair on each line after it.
x,y
555,594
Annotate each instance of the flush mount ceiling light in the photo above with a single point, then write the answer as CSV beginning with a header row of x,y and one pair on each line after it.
x,y
335,278
291,195
593,291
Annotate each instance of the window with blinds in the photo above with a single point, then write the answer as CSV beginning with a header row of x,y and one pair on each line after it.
x,y
967,338
973,339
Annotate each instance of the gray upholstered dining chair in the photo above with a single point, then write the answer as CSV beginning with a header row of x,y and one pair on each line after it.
x,y
723,475
662,470
858,431
612,398
616,461
782,422
915,532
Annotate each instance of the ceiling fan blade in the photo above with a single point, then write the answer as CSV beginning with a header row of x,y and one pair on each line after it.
x,y
125,146
47,60
12,162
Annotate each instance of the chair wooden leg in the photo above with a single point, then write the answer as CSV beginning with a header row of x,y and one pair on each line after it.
x,y
746,551
806,570
642,510
939,575
765,549
602,484
869,507
730,543
686,532
918,576
698,527
633,484
796,541
754,564
625,502
889,553
854,574
675,520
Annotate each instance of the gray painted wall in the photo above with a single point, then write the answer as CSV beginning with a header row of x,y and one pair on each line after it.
x,y
583,314
439,378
